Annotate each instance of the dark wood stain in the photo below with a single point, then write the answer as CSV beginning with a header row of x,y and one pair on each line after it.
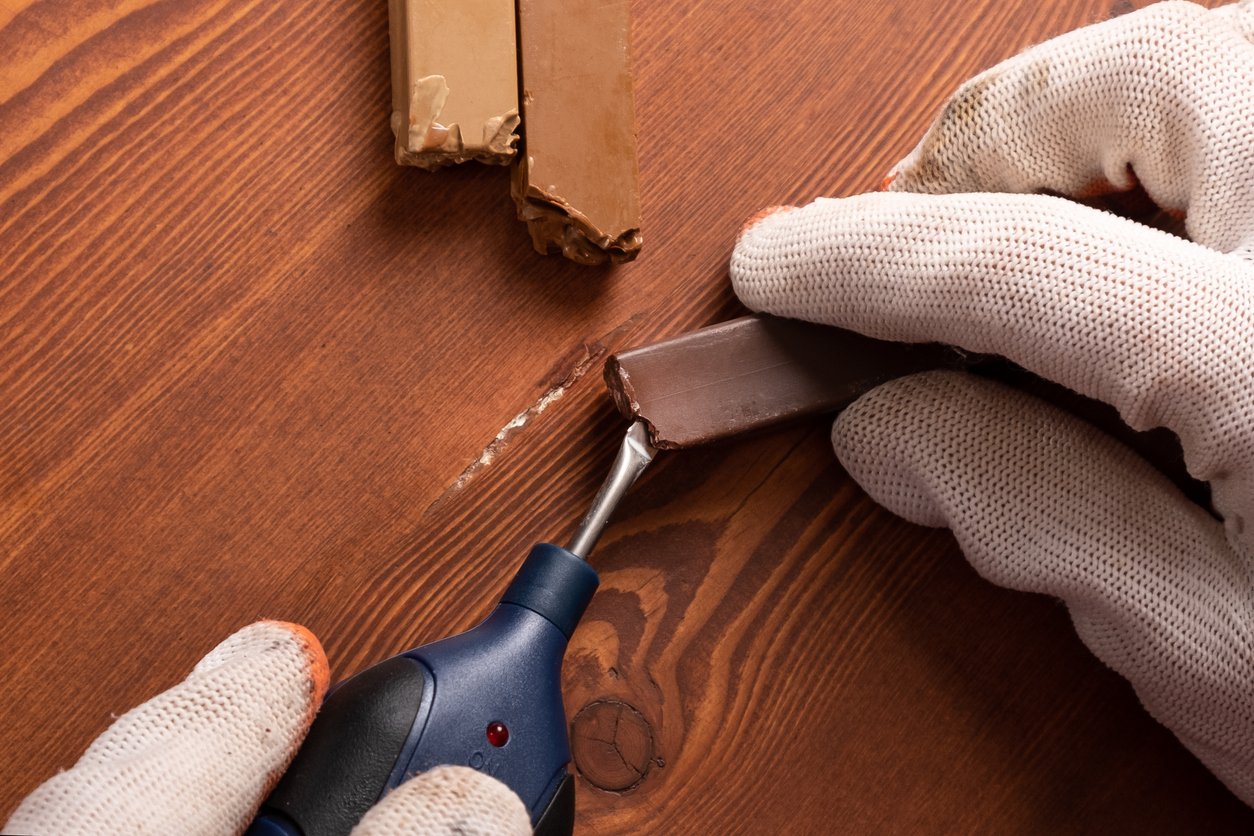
x,y
241,352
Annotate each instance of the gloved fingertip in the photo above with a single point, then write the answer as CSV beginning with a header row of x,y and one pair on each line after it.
x,y
762,215
216,742
317,674
448,801
883,440
291,641
319,669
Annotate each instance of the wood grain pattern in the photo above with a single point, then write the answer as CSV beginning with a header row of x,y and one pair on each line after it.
x,y
248,366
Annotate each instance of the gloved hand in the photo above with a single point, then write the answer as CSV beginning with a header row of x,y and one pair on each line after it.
x,y
964,248
200,758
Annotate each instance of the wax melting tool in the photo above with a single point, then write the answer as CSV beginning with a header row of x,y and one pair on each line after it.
x,y
489,698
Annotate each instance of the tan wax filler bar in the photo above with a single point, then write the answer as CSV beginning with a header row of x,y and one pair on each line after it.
x,y
576,181
454,81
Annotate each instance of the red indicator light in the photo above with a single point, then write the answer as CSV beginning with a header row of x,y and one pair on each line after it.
x,y
497,734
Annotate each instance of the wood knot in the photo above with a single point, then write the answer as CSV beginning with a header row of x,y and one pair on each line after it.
x,y
612,745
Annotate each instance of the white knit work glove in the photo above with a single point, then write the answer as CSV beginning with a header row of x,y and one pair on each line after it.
x,y
1159,327
200,758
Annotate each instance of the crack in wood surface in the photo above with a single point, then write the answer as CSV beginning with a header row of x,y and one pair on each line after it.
x,y
587,355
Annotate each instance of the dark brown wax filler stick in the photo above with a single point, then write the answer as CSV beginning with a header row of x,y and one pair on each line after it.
x,y
576,182
757,371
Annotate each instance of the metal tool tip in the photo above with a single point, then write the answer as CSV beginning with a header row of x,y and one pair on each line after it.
x,y
633,457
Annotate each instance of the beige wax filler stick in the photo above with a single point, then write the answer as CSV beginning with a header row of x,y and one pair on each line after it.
x,y
454,81
464,70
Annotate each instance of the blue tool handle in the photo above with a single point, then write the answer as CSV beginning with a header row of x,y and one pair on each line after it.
x,y
489,698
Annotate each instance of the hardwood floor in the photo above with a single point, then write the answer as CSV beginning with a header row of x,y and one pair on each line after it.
x,y
251,368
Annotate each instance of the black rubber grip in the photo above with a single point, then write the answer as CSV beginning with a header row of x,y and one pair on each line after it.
x,y
345,762
558,818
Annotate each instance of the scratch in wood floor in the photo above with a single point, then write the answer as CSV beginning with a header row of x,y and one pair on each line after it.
x,y
587,354
497,445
